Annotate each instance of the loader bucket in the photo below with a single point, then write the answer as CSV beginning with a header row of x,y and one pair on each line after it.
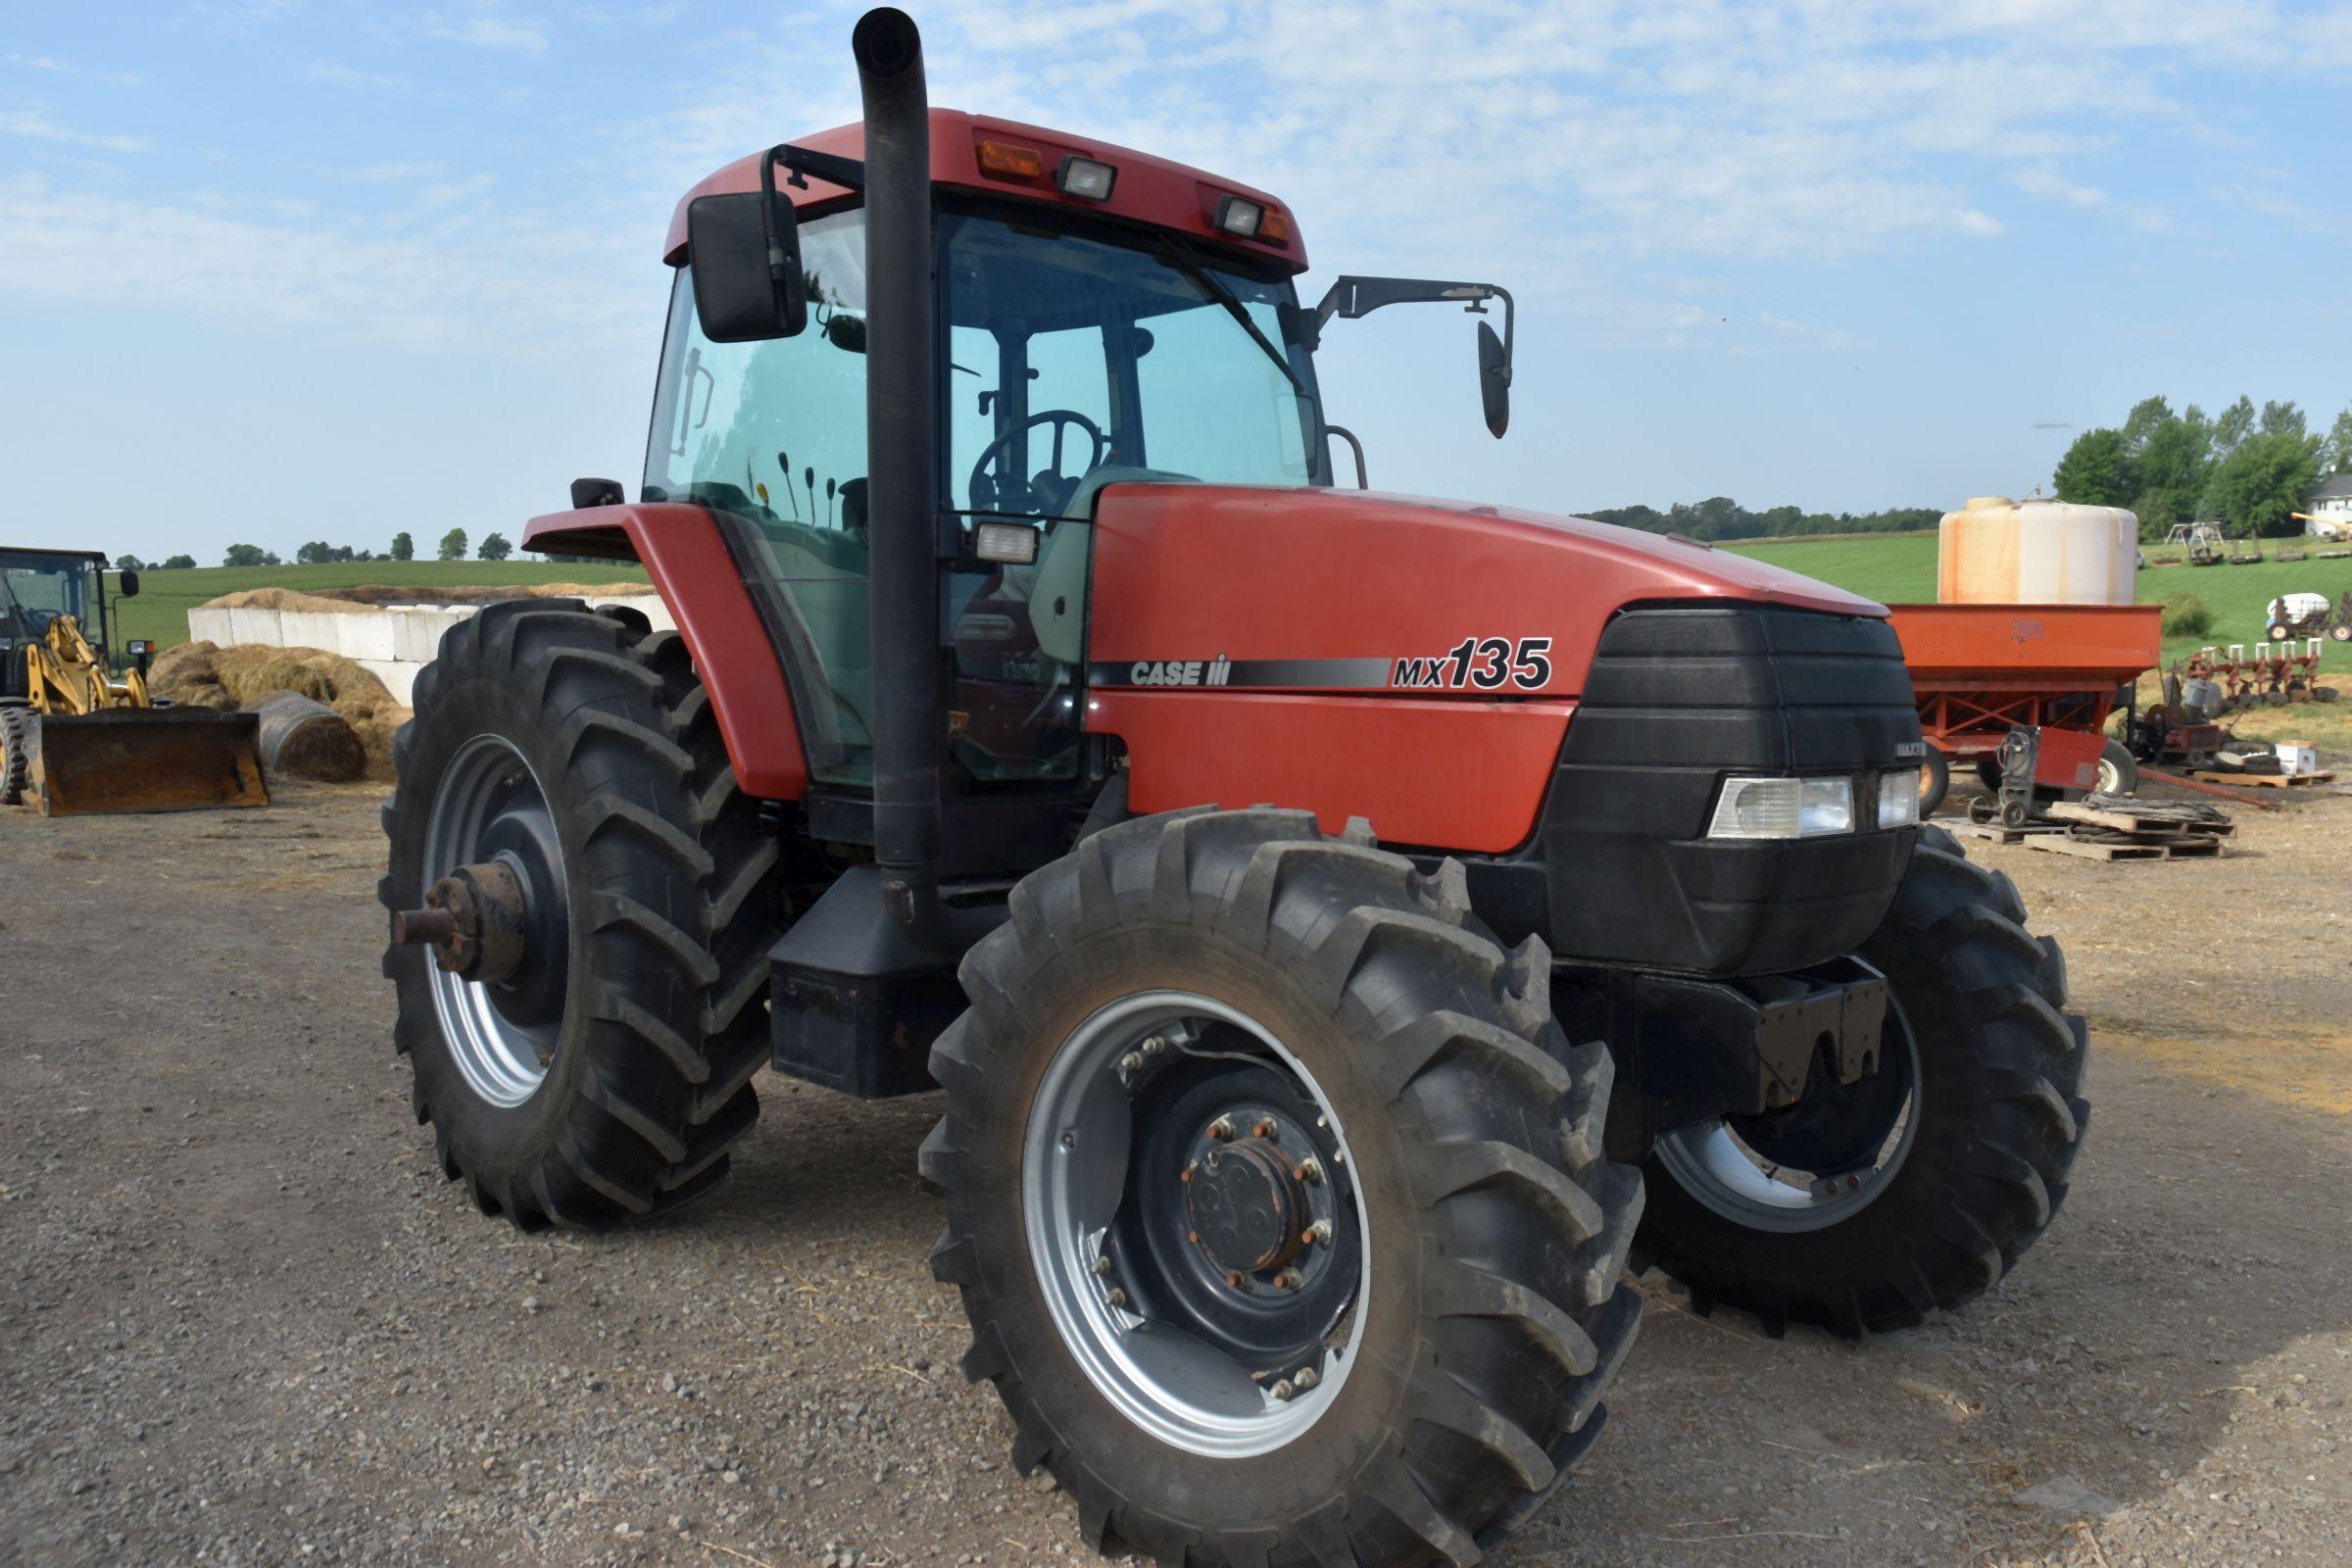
x,y
145,759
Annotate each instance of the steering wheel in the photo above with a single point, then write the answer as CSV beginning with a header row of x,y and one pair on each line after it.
x,y
1004,491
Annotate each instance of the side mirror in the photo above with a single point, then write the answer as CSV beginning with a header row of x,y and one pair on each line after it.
x,y
1493,380
586,493
127,582
745,253
1354,297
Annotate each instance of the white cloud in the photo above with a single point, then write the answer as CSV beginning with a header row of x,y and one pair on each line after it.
x,y
447,278
487,32
34,124
334,73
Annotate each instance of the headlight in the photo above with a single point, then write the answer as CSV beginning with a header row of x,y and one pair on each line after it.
x,y
1782,808
1898,798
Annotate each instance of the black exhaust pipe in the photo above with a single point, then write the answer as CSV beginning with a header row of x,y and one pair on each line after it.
x,y
902,495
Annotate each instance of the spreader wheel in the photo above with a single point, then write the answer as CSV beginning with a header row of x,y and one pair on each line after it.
x,y
1276,1199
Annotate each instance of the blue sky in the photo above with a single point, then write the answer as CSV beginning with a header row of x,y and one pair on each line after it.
x,y
298,269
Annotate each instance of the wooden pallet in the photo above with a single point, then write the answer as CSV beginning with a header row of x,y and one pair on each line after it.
x,y
2187,847
1995,833
2141,818
2275,781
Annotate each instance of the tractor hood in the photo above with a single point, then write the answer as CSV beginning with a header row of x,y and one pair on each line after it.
x,y
1306,590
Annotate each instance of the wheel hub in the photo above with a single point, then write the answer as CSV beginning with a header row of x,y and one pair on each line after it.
x,y
496,918
1248,1213
1195,1223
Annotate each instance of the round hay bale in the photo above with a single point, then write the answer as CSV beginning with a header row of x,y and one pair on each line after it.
x,y
308,740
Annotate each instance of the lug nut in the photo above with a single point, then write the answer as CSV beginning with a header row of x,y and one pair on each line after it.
x,y
1306,1379
1131,1062
1102,1263
1185,1174
1268,1130
1155,1046
1316,1235
1237,1279
1289,1279
1115,1297
1310,1173
1283,1390
1221,1129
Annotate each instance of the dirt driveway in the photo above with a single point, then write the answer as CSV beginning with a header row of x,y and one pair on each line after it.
x,y
243,1320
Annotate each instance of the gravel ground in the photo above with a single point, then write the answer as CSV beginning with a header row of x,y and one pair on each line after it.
x,y
243,1320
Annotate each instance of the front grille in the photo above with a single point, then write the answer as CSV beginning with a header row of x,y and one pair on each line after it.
x,y
1679,697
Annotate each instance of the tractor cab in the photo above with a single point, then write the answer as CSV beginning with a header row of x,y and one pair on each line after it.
x,y
1097,317
37,588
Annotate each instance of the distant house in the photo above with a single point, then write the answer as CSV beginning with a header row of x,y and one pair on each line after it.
x,y
2328,512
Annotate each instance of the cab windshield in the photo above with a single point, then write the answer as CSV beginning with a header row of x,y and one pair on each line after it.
x,y
1082,357
34,589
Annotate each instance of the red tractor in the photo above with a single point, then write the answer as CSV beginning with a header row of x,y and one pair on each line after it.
x,y
1274,877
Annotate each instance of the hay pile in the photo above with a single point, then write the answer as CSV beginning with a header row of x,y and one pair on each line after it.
x,y
238,677
375,595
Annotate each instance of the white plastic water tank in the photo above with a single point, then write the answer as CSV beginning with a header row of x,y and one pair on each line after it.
x,y
1995,551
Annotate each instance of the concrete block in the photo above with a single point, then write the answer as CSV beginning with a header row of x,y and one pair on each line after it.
x,y
210,626
255,626
399,676
312,628
364,637
416,633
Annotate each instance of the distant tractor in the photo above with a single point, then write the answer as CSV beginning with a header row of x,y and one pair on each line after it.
x,y
1277,878
74,738
2309,615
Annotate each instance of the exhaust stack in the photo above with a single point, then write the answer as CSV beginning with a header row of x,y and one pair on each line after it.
x,y
901,492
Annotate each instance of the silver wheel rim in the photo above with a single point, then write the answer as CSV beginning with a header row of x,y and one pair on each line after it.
x,y
1176,1387
1709,1160
502,1061
2111,777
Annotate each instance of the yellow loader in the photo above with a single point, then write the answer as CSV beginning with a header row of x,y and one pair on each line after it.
x,y
73,739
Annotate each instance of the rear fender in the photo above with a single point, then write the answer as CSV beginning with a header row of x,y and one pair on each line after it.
x,y
699,579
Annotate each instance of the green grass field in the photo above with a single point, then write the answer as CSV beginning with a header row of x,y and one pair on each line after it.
x,y
159,613
1900,568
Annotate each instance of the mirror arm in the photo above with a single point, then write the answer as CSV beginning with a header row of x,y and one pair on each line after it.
x,y
797,163
1354,446
1354,297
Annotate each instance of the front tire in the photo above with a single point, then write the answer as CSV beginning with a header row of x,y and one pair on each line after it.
x,y
1943,1167
606,1080
16,752
1345,1008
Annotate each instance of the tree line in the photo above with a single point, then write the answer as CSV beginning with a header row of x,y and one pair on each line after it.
x,y
1721,517
317,552
2247,470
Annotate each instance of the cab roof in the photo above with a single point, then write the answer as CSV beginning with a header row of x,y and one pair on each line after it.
x,y
1149,189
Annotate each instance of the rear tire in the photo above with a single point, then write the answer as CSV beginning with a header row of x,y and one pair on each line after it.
x,y
1999,1124
16,747
647,1074
1489,1312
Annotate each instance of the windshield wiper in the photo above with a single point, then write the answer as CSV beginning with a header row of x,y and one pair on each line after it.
x,y
1187,263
